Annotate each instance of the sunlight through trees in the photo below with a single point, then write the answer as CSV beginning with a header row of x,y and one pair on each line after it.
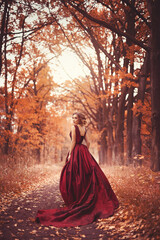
x,y
117,43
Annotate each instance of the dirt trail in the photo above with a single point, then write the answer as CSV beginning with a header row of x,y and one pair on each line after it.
x,y
136,218
17,220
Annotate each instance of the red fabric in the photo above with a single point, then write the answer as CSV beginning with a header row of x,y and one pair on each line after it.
x,y
85,190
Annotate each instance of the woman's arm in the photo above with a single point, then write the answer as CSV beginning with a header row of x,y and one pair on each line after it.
x,y
87,141
73,142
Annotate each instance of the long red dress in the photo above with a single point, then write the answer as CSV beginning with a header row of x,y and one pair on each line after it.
x,y
85,190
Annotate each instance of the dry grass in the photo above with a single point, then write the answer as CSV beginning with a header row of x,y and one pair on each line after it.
x,y
136,186
138,190
17,179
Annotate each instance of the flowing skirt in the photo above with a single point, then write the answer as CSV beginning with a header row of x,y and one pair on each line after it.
x,y
86,191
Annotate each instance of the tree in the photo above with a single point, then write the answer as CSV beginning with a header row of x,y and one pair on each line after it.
x,y
140,39
17,33
154,7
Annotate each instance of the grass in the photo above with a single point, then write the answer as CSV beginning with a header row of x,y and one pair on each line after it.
x,y
17,179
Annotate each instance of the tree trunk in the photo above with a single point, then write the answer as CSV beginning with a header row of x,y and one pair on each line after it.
x,y
131,31
129,125
8,112
2,31
136,134
120,128
38,155
102,149
136,130
110,152
102,142
155,86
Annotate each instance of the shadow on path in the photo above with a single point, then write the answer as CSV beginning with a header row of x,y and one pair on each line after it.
x,y
17,221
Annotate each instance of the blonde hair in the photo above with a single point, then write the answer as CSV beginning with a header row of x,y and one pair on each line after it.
x,y
81,118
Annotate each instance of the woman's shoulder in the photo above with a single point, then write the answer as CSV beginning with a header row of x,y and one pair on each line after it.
x,y
73,127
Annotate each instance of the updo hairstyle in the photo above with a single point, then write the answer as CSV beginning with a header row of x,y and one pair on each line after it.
x,y
81,118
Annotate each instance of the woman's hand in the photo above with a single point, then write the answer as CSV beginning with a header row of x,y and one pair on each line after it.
x,y
69,155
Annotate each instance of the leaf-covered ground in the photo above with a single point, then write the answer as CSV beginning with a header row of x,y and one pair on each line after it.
x,y
36,188
138,191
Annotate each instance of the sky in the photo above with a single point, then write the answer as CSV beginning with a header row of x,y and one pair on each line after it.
x,y
67,67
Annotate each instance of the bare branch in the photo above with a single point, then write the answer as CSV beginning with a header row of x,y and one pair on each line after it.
x,y
108,26
138,13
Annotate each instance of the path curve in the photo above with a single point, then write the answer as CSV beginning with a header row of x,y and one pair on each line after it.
x,y
17,221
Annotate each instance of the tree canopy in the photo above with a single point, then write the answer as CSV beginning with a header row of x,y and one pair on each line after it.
x,y
117,41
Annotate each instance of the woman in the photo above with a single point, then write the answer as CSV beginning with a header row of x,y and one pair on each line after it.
x,y
84,187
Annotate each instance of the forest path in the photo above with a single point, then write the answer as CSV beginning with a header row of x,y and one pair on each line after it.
x,y
18,219
136,218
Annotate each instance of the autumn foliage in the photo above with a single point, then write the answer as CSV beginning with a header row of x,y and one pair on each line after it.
x,y
113,41
118,44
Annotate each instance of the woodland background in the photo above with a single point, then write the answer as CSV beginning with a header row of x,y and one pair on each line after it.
x,y
118,42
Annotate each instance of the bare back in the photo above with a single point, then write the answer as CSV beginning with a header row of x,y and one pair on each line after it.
x,y
82,130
